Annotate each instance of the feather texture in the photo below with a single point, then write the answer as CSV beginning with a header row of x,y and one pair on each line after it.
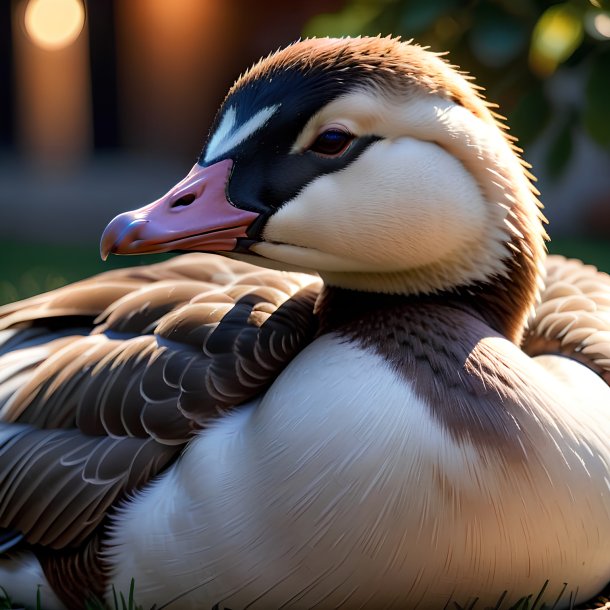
x,y
109,387
573,317
93,417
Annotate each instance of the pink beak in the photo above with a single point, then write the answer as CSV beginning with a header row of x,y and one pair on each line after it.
x,y
194,215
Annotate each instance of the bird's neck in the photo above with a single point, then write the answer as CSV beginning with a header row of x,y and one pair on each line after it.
x,y
503,304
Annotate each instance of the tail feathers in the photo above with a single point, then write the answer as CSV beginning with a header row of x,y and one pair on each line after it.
x,y
573,317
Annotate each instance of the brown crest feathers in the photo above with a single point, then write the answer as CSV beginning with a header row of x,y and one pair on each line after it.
x,y
385,62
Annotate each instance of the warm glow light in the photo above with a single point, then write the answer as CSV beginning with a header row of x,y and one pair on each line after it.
x,y
601,22
53,24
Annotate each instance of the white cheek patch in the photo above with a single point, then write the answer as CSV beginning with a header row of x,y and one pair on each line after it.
x,y
444,183
414,203
228,135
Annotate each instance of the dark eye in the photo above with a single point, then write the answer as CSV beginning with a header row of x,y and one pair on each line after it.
x,y
331,142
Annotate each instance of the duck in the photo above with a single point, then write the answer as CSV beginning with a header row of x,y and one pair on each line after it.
x,y
361,383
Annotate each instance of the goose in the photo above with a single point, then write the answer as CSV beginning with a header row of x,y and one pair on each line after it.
x,y
362,384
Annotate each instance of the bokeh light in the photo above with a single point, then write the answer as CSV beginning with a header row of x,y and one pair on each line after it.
x,y
601,23
557,35
54,24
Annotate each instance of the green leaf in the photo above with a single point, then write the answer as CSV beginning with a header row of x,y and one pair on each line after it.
x,y
596,115
132,586
115,599
557,34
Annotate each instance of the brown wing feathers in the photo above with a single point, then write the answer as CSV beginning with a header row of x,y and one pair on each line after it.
x,y
76,573
58,484
205,339
573,317
170,347
94,417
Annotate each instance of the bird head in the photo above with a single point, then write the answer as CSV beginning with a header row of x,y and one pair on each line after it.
x,y
371,161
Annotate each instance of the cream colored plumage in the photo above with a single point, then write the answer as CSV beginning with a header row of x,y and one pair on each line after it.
x,y
413,429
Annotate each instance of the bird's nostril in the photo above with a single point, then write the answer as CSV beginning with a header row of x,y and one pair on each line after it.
x,y
183,201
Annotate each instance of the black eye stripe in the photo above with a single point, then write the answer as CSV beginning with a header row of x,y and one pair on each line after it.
x,y
263,183
266,172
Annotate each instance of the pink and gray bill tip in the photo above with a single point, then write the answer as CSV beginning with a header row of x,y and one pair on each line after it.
x,y
194,215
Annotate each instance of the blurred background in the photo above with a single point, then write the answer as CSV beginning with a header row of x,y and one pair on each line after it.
x,y
105,104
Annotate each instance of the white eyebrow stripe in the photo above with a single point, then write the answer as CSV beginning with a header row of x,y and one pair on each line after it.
x,y
225,139
223,131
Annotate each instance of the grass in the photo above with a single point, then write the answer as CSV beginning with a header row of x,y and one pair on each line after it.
x,y
28,269
531,602
118,603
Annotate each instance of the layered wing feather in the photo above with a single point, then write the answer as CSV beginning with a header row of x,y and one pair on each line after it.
x,y
573,317
89,417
